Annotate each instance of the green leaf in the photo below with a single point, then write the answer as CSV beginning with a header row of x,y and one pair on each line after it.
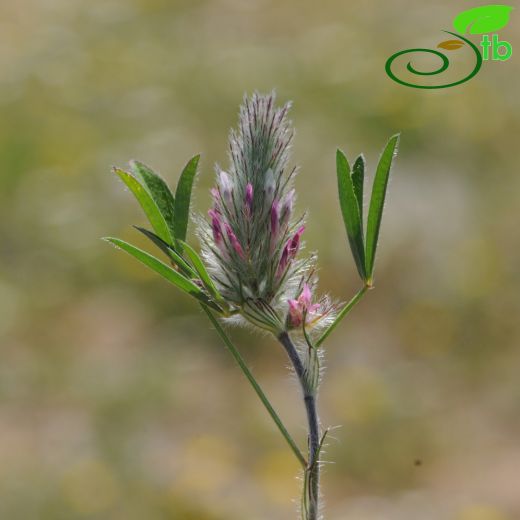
x,y
377,201
483,19
168,251
201,270
148,204
350,211
159,191
183,198
164,270
358,179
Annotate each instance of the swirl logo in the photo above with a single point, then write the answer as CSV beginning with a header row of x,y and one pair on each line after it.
x,y
479,20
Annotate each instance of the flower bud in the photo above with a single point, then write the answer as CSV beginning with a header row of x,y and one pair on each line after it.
x,y
226,187
269,186
284,261
216,226
233,240
289,251
294,242
287,209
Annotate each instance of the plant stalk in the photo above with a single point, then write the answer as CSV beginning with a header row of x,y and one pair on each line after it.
x,y
256,387
310,498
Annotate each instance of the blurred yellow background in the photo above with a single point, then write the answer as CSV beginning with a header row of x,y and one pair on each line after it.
x,y
117,401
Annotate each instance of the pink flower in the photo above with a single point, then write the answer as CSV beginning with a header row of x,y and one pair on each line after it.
x,y
289,251
284,262
216,226
234,241
301,307
294,242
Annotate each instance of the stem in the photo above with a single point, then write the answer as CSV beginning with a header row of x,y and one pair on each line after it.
x,y
256,387
348,307
312,470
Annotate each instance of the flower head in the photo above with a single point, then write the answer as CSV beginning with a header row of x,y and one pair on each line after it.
x,y
252,241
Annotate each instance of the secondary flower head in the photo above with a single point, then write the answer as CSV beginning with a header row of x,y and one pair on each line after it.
x,y
252,240
302,308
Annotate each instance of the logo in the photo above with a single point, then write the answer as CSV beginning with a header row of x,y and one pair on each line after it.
x,y
482,20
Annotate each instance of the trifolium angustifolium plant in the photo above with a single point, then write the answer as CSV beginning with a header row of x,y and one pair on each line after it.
x,y
251,268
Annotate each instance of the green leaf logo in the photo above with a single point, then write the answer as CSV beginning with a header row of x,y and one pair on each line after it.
x,y
483,19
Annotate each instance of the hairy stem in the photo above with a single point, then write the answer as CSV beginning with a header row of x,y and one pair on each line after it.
x,y
256,387
310,497
346,309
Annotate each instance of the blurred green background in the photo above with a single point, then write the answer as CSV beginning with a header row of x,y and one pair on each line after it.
x,y
117,400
